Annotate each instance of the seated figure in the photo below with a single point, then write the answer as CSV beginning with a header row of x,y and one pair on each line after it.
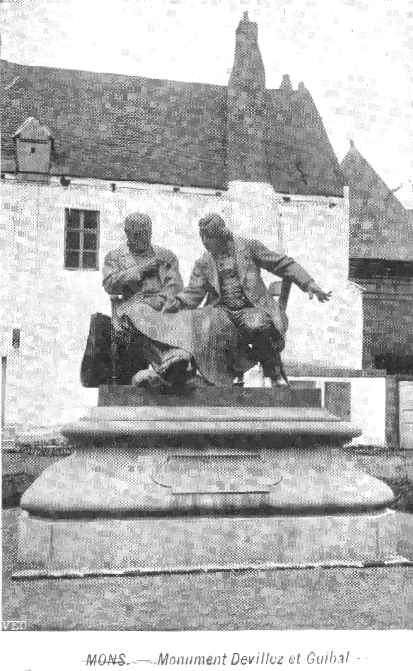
x,y
228,275
144,277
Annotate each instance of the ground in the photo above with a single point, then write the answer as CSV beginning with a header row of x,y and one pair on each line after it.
x,y
333,598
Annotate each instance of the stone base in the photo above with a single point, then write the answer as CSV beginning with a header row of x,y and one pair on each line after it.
x,y
53,548
116,480
247,478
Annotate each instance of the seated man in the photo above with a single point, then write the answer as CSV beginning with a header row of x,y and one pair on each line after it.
x,y
145,276
229,275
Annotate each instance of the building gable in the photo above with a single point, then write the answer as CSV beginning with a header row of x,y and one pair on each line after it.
x,y
300,157
379,224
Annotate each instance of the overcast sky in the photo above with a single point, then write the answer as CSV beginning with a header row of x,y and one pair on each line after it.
x,y
353,56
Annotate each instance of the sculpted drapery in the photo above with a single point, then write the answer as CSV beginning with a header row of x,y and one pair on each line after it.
x,y
207,335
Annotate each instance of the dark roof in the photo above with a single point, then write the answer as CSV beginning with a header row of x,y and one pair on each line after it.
x,y
300,157
380,227
120,127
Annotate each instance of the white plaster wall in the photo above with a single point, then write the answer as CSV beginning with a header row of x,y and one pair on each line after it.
x,y
316,235
368,406
314,231
368,409
255,213
52,305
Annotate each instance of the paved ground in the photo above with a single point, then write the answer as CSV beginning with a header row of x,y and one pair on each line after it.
x,y
375,598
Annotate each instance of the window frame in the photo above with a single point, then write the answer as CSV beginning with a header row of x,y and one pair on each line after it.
x,y
82,231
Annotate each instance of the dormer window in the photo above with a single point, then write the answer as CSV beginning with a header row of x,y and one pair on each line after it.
x,y
34,145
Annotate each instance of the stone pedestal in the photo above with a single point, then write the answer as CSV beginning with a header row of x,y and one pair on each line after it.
x,y
209,479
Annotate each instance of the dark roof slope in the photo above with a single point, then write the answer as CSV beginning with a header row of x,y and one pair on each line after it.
x,y
380,226
301,159
120,127
113,126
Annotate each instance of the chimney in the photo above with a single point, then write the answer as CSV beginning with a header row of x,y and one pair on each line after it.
x,y
246,112
248,65
286,83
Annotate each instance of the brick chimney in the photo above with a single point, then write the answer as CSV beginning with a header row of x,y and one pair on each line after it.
x,y
246,156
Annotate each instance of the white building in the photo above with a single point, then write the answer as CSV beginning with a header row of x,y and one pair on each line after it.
x,y
81,150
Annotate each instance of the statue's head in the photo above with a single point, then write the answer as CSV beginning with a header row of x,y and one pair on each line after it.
x,y
138,231
214,233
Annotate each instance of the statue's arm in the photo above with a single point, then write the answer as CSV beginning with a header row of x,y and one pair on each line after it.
x,y
171,280
280,264
197,288
118,281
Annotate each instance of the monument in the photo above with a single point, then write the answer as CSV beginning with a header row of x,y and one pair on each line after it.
x,y
196,474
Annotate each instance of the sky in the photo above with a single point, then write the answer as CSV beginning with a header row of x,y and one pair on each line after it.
x,y
355,56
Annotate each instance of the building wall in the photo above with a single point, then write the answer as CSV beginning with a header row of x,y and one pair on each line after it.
x,y
388,318
52,305
315,233
368,406
372,399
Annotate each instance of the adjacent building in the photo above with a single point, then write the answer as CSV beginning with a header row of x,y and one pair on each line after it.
x,y
381,262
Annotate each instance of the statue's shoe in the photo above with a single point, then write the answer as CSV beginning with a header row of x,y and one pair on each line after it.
x,y
146,378
174,367
279,381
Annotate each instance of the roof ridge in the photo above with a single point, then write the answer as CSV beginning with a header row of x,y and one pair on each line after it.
x,y
77,71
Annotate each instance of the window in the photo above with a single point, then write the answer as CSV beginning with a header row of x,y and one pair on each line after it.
x,y
370,268
81,239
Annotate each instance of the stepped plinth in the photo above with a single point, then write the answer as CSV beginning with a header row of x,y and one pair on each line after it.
x,y
208,478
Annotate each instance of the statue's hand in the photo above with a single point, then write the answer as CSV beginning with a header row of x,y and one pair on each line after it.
x,y
314,290
172,305
149,267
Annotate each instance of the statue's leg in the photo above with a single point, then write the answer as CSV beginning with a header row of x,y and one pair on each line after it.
x,y
170,363
128,351
258,328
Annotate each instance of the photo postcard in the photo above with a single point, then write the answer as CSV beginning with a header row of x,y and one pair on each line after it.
x,y
206,333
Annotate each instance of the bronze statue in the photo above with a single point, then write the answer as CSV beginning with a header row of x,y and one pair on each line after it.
x,y
239,325
228,276
150,276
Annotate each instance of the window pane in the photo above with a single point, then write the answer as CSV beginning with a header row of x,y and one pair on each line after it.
x,y
89,241
89,260
72,240
73,218
72,260
90,219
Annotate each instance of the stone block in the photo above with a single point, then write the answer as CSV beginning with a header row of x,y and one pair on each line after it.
x,y
337,399
299,395
101,546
